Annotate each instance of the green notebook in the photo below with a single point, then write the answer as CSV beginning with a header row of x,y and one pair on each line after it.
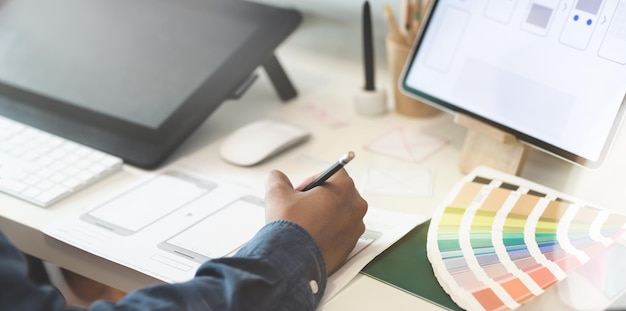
x,y
405,265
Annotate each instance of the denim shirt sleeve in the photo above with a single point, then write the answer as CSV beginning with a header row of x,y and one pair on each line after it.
x,y
17,292
281,268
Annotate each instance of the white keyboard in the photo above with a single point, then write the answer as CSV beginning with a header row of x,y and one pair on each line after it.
x,y
43,168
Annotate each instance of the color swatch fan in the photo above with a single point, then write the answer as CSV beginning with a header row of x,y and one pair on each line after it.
x,y
495,244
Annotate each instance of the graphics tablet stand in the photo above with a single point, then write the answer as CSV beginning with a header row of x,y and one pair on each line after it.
x,y
281,82
277,76
489,146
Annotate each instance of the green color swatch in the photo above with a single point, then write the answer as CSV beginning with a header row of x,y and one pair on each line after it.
x,y
405,265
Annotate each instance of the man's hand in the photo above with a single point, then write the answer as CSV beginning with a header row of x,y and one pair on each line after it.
x,y
332,213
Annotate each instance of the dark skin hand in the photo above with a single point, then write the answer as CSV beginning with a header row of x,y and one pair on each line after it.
x,y
332,213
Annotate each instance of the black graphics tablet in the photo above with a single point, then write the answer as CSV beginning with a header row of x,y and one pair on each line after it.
x,y
551,73
132,78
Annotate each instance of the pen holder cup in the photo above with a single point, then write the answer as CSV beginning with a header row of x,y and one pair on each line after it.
x,y
397,54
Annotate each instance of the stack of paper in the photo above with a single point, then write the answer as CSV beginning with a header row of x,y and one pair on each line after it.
x,y
169,223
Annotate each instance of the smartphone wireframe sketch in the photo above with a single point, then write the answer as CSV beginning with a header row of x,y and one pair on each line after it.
x,y
148,202
219,233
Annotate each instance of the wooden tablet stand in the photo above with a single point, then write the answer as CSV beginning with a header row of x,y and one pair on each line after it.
x,y
489,146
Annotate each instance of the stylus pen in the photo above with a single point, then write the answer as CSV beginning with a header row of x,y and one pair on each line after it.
x,y
330,171
368,48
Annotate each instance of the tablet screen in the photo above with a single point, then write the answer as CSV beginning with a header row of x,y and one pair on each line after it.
x,y
147,64
551,73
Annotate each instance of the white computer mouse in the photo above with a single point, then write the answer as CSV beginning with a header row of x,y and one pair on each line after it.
x,y
260,140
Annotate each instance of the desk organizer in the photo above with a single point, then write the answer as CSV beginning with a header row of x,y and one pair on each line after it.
x,y
397,54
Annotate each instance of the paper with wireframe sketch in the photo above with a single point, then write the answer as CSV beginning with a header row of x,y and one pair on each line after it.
x,y
416,182
406,144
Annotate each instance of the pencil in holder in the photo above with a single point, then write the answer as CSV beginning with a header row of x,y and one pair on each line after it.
x,y
397,54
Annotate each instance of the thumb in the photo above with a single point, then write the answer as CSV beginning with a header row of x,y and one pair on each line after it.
x,y
277,185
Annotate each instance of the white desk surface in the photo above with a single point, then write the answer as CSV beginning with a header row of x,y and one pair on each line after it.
x,y
323,58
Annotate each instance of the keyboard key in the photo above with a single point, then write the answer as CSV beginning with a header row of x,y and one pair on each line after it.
x,y
13,185
50,194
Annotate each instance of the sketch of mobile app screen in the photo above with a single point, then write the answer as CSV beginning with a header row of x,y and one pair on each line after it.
x,y
220,233
148,202
613,46
500,10
448,34
581,23
539,16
